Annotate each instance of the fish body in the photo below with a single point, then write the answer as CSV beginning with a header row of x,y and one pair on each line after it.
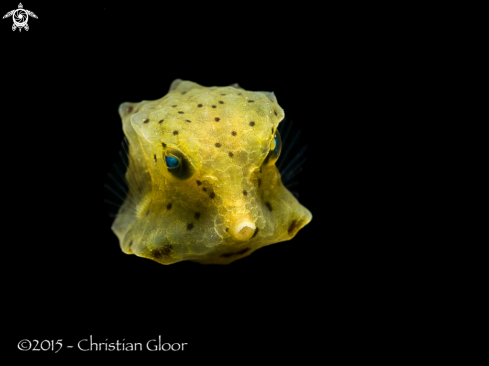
x,y
202,180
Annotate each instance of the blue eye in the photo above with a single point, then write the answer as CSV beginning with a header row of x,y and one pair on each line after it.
x,y
177,164
171,161
277,146
275,149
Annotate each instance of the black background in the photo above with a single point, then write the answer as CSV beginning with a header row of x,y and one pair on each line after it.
x,y
65,274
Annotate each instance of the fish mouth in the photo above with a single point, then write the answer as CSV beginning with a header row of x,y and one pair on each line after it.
x,y
242,230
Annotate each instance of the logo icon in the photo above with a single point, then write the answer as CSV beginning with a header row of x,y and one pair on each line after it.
x,y
20,17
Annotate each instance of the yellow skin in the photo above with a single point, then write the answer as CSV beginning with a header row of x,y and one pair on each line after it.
x,y
226,201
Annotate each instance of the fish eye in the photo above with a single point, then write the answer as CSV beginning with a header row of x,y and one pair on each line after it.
x,y
172,162
177,164
275,149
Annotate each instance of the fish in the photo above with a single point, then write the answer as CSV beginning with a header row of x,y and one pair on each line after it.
x,y
202,180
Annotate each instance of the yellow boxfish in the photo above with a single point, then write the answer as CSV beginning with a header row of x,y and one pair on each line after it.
x,y
202,180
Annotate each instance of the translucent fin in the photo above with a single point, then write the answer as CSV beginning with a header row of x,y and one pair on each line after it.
x,y
294,166
293,155
116,185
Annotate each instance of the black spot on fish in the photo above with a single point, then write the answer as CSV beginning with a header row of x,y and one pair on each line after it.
x,y
165,251
294,226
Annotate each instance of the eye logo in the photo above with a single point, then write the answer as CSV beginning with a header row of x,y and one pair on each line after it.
x,y
20,17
